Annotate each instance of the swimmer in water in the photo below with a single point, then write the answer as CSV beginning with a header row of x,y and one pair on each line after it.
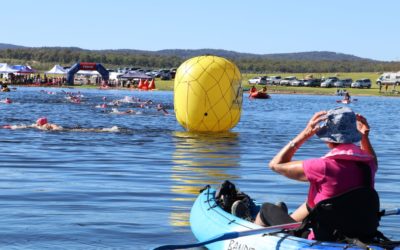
x,y
4,87
161,108
103,106
6,101
129,111
43,124
115,103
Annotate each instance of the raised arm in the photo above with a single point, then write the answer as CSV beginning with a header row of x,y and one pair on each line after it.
x,y
363,128
282,162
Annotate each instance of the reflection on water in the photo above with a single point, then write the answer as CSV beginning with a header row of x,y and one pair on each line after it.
x,y
201,158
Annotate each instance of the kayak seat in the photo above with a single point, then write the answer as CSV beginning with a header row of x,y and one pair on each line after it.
x,y
351,215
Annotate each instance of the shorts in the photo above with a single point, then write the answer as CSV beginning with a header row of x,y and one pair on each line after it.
x,y
271,215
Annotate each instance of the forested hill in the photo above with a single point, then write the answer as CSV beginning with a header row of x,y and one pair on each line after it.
x,y
184,53
316,56
43,58
10,46
300,56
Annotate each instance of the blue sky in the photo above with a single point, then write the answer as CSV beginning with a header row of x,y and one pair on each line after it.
x,y
368,28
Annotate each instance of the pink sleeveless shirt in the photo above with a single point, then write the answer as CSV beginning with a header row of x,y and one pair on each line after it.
x,y
329,176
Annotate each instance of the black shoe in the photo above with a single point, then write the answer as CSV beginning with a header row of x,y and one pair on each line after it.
x,y
241,210
282,205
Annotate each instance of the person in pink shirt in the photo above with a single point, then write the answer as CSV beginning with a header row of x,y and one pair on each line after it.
x,y
334,173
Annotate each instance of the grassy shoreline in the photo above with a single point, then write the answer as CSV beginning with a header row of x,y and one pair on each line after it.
x,y
373,91
168,85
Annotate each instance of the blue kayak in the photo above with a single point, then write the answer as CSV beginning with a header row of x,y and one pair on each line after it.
x,y
208,219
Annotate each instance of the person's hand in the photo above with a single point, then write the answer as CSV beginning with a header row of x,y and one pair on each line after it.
x,y
313,124
362,124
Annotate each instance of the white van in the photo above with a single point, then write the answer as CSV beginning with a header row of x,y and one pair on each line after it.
x,y
389,78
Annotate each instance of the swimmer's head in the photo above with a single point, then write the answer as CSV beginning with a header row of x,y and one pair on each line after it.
x,y
41,121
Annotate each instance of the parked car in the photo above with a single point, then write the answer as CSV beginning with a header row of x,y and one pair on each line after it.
x,y
154,73
347,82
165,74
261,80
312,83
339,84
332,78
297,83
274,80
362,83
287,80
328,83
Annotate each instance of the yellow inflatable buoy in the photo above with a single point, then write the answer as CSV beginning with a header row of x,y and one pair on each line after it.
x,y
208,94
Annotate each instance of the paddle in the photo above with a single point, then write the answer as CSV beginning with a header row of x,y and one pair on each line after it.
x,y
263,230
233,235
354,100
394,211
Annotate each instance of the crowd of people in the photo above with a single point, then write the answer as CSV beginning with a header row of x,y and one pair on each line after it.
x,y
35,79
387,88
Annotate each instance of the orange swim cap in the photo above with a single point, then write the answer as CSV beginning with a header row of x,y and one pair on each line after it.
x,y
41,121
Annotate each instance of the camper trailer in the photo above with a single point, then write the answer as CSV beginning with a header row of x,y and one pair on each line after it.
x,y
390,78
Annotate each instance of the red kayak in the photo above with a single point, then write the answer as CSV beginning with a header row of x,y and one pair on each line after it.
x,y
259,95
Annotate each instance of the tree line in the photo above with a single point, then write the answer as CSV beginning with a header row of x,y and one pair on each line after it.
x,y
45,58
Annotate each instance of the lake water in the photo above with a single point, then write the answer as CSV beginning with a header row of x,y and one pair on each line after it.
x,y
113,181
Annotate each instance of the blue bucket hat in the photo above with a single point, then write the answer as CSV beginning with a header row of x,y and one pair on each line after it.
x,y
340,126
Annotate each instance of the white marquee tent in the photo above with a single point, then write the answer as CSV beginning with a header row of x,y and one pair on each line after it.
x,y
57,69
5,68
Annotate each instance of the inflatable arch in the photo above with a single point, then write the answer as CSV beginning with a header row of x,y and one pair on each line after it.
x,y
86,66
